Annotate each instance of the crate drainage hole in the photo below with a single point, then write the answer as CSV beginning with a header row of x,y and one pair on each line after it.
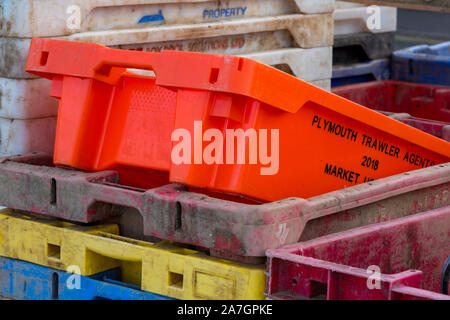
x,y
53,251
178,221
176,280
55,283
53,192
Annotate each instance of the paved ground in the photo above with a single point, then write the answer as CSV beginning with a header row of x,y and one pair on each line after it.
x,y
421,27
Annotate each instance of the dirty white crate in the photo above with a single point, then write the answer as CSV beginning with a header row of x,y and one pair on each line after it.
x,y
235,37
352,18
346,5
23,136
26,99
324,84
49,18
306,64
229,37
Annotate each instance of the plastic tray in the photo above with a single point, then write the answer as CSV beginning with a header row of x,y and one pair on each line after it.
x,y
20,280
235,37
48,18
423,64
225,228
24,136
350,18
419,100
227,89
362,47
401,259
162,268
26,99
360,72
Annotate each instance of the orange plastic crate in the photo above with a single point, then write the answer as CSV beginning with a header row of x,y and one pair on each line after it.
x,y
110,118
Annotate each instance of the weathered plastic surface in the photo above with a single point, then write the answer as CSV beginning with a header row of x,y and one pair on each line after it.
x,y
47,18
26,99
351,18
323,84
419,100
163,268
434,5
51,243
408,254
423,64
360,72
238,86
310,65
229,229
14,52
20,280
24,136
445,277
236,37
362,47
339,5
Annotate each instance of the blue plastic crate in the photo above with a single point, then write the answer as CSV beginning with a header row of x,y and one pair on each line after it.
x,y
360,72
21,280
423,64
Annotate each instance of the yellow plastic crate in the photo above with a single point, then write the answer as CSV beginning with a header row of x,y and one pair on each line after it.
x,y
164,268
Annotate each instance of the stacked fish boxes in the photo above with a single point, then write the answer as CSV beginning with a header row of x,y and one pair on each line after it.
x,y
294,35
27,116
363,42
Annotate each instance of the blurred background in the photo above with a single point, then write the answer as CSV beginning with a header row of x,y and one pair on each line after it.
x,y
421,27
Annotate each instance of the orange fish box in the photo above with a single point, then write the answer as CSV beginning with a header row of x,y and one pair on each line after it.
x,y
219,123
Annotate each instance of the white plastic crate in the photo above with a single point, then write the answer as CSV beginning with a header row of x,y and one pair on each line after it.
x,y
306,64
325,84
345,5
236,37
26,99
49,18
24,136
352,18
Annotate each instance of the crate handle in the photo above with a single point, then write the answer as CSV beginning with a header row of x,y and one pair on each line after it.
x,y
117,247
48,58
125,59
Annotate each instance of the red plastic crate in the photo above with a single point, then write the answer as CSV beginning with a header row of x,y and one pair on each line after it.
x,y
438,129
233,230
409,253
419,100
109,118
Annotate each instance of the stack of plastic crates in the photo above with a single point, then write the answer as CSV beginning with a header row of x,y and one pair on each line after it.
x,y
363,42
